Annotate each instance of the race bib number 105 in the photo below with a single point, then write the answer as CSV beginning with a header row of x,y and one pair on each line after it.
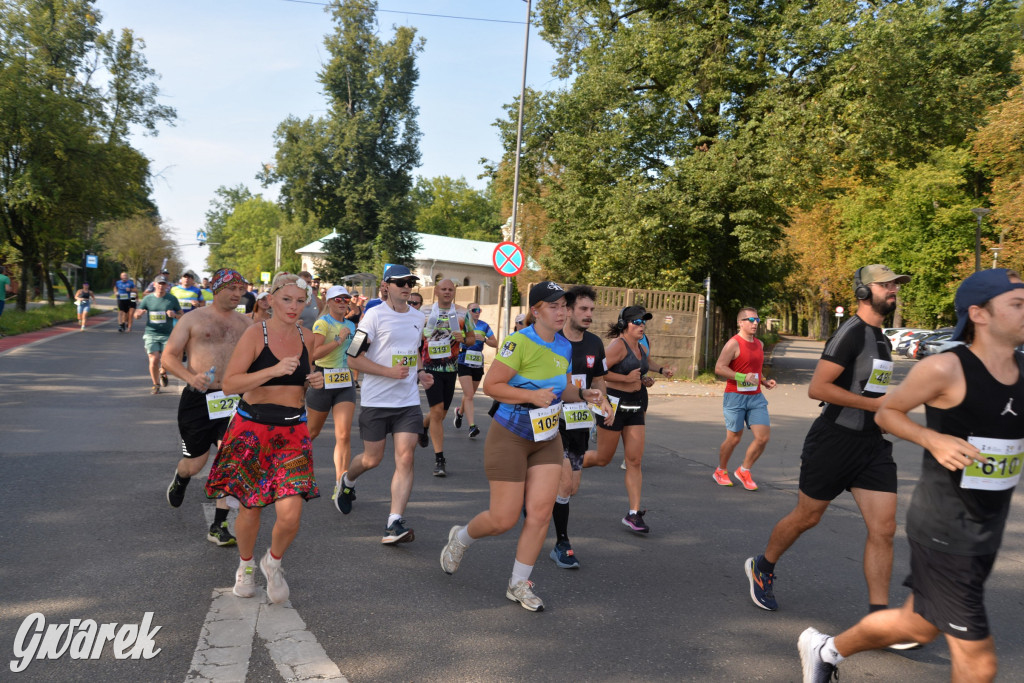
x,y
544,422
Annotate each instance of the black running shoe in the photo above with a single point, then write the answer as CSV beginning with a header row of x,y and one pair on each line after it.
x,y
163,378
424,438
474,431
458,419
397,533
220,535
345,496
176,491
439,468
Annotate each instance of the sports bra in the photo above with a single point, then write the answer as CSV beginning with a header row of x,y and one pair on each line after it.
x,y
267,359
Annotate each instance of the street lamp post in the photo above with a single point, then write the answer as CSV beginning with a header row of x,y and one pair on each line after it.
x,y
515,177
979,213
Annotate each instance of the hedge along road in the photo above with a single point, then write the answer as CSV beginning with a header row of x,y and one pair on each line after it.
x,y
86,454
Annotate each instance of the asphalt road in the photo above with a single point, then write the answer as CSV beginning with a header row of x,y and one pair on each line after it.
x,y
86,454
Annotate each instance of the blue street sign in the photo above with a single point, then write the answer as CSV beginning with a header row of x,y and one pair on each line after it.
x,y
91,261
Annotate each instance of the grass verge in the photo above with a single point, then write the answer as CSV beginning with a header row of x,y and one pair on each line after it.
x,y
19,322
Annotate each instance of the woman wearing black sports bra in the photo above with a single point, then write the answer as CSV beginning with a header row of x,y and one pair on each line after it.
x,y
266,457
627,363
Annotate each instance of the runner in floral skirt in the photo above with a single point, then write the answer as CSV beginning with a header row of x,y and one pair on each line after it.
x,y
266,456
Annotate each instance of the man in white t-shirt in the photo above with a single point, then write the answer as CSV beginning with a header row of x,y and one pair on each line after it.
x,y
385,349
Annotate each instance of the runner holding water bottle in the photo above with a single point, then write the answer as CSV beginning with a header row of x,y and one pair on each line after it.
x,y
208,336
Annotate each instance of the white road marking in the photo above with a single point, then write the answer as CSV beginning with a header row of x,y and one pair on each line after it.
x,y
225,643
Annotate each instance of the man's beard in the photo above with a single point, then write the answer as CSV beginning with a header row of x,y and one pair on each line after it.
x,y
883,307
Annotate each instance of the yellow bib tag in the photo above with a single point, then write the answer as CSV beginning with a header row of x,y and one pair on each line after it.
x,y
544,422
336,378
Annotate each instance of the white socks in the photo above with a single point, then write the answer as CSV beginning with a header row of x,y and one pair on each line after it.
x,y
392,518
520,572
464,537
829,653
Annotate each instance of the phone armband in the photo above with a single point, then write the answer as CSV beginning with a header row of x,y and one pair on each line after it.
x,y
360,342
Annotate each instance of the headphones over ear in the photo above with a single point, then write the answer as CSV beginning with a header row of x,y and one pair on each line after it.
x,y
860,290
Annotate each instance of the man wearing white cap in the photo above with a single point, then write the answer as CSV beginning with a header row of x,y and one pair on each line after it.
x,y
332,334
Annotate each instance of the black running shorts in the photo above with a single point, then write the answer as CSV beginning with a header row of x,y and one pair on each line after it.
x,y
949,590
442,390
466,371
630,412
836,460
198,431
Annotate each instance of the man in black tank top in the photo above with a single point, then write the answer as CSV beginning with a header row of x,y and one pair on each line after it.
x,y
974,446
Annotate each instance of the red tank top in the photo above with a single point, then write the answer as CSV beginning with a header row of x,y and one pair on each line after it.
x,y
751,359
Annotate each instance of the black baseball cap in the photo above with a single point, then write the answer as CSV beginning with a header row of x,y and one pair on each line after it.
x,y
546,291
634,313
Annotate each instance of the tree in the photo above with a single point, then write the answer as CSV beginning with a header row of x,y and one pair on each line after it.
x,y
692,132
352,170
449,206
221,208
249,238
140,244
69,94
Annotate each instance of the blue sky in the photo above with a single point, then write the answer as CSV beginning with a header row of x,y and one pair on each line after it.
x,y
235,69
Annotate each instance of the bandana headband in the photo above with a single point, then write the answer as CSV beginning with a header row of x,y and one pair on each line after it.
x,y
223,277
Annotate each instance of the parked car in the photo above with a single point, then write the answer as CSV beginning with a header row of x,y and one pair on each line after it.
x,y
942,334
938,346
896,335
904,347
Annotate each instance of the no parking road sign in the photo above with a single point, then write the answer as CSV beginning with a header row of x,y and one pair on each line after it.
x,y
508,259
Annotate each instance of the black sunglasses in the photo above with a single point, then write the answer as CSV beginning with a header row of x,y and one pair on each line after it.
x,y
751,320
403,283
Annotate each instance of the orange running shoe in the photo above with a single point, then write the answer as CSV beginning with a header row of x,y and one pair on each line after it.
x,y
744,477
721,477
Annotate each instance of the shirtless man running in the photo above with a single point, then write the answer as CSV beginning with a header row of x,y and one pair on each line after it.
x,y
208,336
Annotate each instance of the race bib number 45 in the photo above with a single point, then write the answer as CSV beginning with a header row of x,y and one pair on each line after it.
x,y
544,422
1001,470
219,404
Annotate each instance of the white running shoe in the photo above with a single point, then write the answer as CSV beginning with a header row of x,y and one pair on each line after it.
x,y
523,593
245,580
277,587
816,669
451,554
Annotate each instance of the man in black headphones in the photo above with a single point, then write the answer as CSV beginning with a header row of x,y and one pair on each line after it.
x,y
844,449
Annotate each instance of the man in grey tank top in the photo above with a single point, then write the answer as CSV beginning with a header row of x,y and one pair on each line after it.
x,y
844,449
974,445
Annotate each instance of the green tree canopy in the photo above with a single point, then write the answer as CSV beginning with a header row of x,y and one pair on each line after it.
x,y
69,96
449,206
352,170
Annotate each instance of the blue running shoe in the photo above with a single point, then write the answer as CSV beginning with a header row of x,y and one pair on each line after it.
x,y
564,556
347,494
762,590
